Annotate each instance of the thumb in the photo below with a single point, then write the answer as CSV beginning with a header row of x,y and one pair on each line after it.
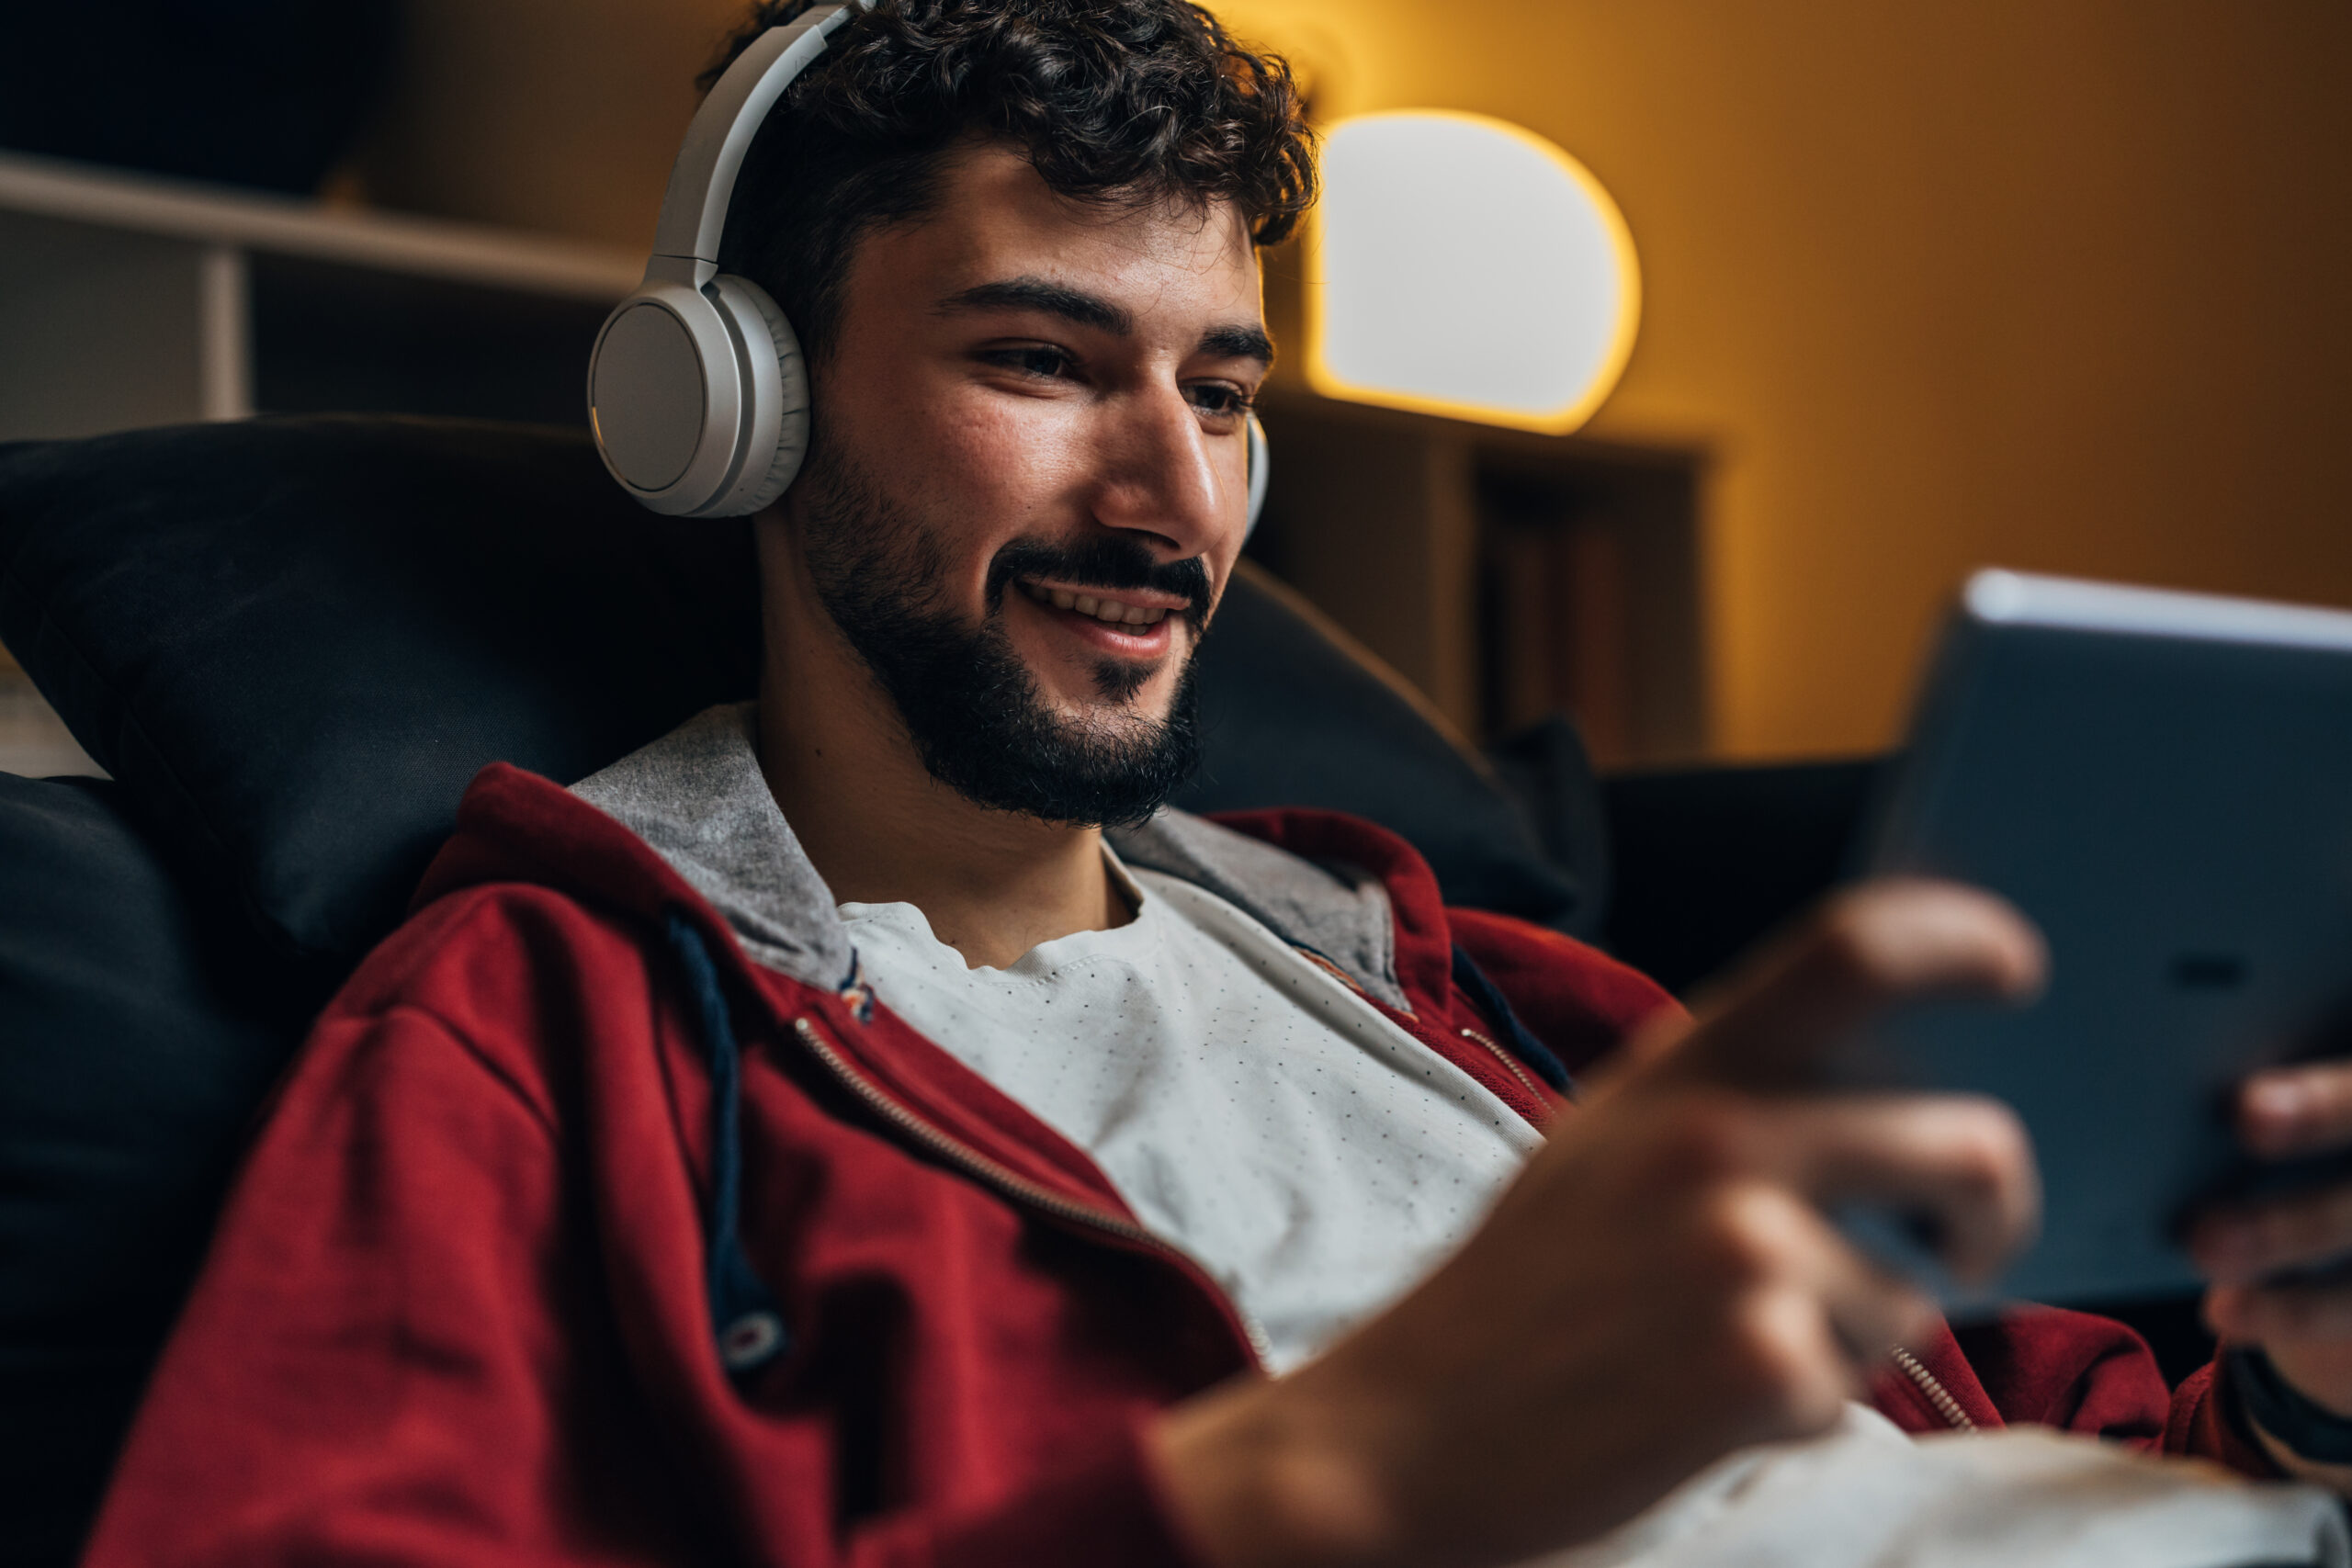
x,y
1865,951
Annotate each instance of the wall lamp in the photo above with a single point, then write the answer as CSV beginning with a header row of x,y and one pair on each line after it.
x,y
1462,266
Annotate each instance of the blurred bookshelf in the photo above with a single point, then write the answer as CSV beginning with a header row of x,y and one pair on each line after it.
x,y
1507,575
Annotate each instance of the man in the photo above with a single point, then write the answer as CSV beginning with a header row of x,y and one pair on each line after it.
x,y
810,1141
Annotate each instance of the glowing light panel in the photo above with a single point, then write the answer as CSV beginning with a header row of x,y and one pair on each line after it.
x,y
1464,266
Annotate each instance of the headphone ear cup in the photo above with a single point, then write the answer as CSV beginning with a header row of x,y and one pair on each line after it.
x,y
777,418
1261,470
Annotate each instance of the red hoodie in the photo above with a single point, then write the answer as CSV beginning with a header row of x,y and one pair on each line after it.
x,y
460,1307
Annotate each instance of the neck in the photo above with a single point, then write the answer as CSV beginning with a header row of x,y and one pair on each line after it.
x,y
878,828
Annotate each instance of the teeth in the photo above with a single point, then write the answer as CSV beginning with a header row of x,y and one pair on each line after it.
x,y
1111,612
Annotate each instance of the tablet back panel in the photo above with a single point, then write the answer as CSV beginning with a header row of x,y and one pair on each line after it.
x,y
2163,783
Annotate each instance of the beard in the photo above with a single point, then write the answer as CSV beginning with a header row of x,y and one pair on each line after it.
x,y
972,708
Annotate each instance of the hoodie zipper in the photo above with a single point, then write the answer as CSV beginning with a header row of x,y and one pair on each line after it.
x,y
1012,1184
1505,1058
1932,1386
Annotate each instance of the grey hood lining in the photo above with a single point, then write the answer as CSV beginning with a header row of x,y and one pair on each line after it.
x,y
1340,913
697,798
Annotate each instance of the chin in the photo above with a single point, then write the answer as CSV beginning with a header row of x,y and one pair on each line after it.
x,y
1116,693
1112,690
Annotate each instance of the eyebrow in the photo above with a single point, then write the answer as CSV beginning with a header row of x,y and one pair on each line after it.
x,y
1237,341
1036,294
1244,341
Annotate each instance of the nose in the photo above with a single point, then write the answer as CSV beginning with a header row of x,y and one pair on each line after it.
x,y
1165,474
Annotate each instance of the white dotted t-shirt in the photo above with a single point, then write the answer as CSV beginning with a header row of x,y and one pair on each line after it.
x,y
1313,1157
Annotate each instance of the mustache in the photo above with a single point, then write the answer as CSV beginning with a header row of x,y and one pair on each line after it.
x,y
1109,560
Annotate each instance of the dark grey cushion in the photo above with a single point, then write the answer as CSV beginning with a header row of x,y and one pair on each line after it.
x,y
1292,719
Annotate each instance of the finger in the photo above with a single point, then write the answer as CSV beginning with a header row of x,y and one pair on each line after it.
x,y
2241,1243
2296,1110
1819,1315
2255,1315
1870,1309
1865,951
1963,1162
1787,1365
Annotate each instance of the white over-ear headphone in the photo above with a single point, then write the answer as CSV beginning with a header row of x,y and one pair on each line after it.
x,y
697,392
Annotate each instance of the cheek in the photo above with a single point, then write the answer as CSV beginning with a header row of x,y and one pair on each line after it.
x,y
989,470
969,477
986,449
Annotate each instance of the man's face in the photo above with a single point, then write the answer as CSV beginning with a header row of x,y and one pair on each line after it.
x,y
1030,478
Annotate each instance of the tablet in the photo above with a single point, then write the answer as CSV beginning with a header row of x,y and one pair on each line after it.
x,y
2163,783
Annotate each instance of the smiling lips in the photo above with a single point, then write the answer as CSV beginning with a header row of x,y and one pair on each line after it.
x,y
1101,606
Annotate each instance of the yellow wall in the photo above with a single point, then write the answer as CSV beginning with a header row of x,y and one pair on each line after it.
x,y
2059,284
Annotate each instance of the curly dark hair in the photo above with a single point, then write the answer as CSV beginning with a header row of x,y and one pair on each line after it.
x,y
1120,102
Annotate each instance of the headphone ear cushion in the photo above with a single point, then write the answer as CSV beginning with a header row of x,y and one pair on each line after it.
x,y
791,447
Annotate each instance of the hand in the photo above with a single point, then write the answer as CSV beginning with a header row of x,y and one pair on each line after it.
x,y
1658,1288
2306,1329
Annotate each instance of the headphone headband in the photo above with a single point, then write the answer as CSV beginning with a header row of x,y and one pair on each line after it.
x,y
702,181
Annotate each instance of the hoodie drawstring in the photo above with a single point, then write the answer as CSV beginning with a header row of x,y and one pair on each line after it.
x,y
1532,1054
745,1321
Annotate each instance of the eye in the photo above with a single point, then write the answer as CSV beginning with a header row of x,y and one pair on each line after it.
x,y
1039,359
1223,399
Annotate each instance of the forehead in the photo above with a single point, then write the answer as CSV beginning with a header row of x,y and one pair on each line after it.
x,y
995,218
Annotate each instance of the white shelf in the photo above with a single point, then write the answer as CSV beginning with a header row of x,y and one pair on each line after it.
x,y
221,216
131,299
